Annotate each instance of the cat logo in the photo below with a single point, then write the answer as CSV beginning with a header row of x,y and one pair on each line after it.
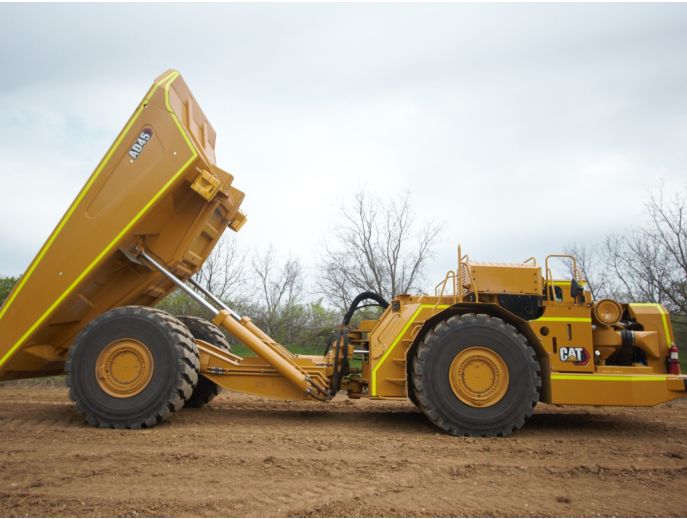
x,y
143,139
574,354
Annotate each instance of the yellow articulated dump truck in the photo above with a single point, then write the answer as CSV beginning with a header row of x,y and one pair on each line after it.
x,y
475,357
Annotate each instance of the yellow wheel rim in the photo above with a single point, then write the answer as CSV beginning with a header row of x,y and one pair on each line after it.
x,y
124,368
478,377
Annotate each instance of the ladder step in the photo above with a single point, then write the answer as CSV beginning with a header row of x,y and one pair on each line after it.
x,y
397,381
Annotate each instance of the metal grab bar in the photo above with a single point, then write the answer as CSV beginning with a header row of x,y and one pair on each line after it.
x,y
549,282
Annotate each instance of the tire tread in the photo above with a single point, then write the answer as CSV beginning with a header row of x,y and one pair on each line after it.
x,y
206,390
187,376
453,324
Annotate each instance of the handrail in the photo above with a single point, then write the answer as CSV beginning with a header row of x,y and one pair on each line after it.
x,y
465,261
569,256
460,275
449,274
549,282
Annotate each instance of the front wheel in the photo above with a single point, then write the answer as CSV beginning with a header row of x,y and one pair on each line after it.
x,y
475,375
132,367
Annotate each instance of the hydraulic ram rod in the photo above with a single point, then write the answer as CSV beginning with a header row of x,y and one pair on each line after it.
x,y
213,297
236,325
183,286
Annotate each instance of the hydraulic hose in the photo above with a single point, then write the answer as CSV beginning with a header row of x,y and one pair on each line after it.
x,y
355,305
339,372
341,338
362,297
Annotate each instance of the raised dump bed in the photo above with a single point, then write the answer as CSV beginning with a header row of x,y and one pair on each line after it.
x,y
158,187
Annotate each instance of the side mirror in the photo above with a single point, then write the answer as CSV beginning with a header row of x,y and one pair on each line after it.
x,y
575,289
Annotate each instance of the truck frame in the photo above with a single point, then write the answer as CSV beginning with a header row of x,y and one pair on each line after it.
x,y
475,357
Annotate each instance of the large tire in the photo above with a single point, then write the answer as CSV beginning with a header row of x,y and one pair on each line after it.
x,y
132,367
204,330
438,369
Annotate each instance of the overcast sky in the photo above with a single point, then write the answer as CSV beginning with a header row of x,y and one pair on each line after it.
x,y
522,129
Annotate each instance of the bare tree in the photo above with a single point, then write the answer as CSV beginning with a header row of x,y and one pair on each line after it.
x,y
650,264
647,263
635,265
669,234
590,263
224,273
375,247
280,288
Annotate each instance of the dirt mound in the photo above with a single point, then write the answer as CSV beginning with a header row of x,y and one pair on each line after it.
x,y
246,456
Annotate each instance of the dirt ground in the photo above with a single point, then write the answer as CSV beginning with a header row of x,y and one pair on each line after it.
x,y
245,456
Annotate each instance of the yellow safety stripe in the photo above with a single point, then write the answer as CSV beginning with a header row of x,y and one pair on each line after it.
x,y
664,317
373,377
78,199
563,319
613,378
166,82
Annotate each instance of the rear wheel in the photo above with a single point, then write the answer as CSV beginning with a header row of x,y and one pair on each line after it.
x,y
132,367
475,375
204,330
